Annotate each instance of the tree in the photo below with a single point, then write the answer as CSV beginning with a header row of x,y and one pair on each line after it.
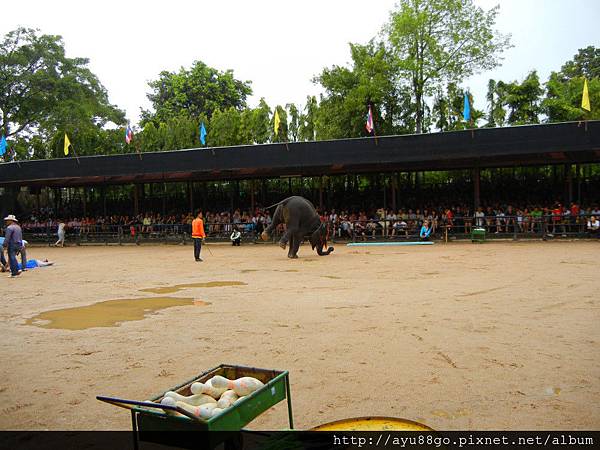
x,y
437,41
43,93
191,92
294,124
565,88
225,128
306,129
522,99
282,132
348,92
586,63
261,123
495,98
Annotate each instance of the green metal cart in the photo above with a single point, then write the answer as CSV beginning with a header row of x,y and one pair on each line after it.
x,y
151,416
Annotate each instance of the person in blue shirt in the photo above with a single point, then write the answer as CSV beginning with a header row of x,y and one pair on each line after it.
x,y
34,263
22,251
425,231
13,242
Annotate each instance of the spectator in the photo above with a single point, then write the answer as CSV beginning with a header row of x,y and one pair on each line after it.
x,y
593,226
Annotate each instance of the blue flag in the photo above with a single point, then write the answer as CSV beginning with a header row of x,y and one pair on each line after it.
x,y
202,134
2,146
467,111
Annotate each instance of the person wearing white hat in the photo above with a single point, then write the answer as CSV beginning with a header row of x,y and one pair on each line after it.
x,y
13,242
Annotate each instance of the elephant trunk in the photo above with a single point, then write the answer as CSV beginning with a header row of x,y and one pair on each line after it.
x,y
320,251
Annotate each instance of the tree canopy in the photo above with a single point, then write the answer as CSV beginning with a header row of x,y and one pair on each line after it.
x,y
191,92
44,93
440,41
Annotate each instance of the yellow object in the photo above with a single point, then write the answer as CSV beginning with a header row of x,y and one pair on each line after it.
x,y
585,98
372,424
67,144
277,121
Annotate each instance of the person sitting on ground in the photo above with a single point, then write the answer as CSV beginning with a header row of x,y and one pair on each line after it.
x,y
236,237
593,226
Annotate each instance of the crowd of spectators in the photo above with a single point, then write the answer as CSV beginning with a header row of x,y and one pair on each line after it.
x,y
344,223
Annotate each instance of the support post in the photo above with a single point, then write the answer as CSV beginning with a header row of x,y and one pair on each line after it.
x,y
476,176
252,202
190,188
321,193
136,200
164,200
569,183
84,201
103,193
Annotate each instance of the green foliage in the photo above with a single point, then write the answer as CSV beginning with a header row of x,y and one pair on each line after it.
x,y
348,92
522,99
282,132
306,129
261,123
44,94
564,89
586,63
294,125
191,92
441,41
496,113
225,128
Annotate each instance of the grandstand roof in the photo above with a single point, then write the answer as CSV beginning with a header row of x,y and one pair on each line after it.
x,y
560,143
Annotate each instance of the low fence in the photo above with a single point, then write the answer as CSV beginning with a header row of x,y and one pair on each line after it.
x,y
496,227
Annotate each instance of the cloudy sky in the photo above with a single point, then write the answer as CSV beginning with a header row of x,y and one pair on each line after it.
x,y
278,45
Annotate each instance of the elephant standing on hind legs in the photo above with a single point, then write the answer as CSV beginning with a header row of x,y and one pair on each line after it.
x,y
301,219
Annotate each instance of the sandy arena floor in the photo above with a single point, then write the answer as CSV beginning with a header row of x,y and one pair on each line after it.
x,y
457,336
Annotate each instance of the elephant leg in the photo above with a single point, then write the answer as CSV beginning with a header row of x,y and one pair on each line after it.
x,y
292,243
297,240
285,238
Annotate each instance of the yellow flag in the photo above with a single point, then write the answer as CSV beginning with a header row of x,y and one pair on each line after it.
x,y
276,120
67,144
585,98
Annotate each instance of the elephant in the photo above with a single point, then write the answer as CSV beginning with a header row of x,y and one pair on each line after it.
x,y
301,219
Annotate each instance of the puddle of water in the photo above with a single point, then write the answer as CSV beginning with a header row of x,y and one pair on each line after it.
x,y
179,287
107,314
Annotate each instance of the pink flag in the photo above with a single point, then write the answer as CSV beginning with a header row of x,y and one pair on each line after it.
x,y
369,125
128,134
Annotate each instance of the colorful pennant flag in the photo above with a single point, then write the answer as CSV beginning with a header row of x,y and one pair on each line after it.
x,y
2,146
67,144
202,134
467,109
276,122
369,125
585,98
128,134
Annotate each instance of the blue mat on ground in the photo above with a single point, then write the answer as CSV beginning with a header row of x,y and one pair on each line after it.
x,y
369,244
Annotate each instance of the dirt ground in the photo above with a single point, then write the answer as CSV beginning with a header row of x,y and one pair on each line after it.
x,y
457,336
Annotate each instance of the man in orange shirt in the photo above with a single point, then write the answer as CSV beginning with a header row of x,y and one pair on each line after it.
x,y
198,235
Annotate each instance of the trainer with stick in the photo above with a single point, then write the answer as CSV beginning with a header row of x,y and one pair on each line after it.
x,y
198,235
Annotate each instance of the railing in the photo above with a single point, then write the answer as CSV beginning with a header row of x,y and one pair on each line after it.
x,y
506,227
460,227
180,233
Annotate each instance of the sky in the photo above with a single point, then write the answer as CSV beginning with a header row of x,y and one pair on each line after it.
x,y
278,45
